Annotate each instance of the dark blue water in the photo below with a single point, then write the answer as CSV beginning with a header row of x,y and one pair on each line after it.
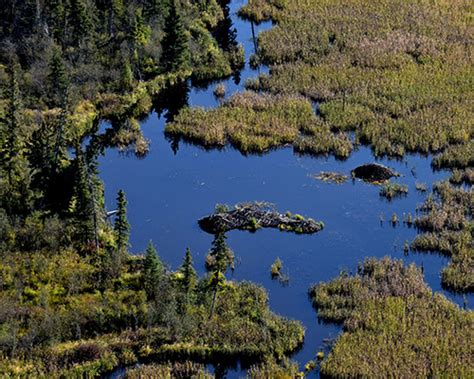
x,y
168,193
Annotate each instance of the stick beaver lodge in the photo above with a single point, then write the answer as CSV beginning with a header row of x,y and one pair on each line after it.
x,y
253,216
373,173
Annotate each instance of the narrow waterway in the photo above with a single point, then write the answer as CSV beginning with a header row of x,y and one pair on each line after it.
x,y
172,188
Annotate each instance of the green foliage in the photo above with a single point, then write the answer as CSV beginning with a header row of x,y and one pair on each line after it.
x,y
78,62
79,20
127,78
121,225
175,46
275,269
78,330
83,205
220,254
11,138
393,325
188,280
152,272
57,78
270,369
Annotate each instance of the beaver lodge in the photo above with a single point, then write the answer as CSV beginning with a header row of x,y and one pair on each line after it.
x,y
254,216
373,173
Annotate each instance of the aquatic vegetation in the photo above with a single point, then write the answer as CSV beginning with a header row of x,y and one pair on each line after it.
x,y
255,123
392,190
321,141
393,324
421,187
275,269
446,223
271,369
403,90
168,371
394,219
219,91
401,83
406,247
408,219
277,273
456,156
331,177
462,176
259,11
252,216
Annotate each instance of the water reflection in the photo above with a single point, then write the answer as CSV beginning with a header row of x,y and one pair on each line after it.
x,y
171,100
225,33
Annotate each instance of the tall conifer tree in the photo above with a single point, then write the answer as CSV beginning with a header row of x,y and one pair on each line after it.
x,y
175,43
121,226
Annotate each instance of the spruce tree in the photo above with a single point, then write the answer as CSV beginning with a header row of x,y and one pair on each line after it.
x,y
10,133
223,258
153,9
175,43
56,13
57,78
188,272
152,272
83,207
126,80
222,255
140,31
115,10
121,225
79,21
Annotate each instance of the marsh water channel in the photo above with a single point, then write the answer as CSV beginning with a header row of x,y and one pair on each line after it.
x,y
175,185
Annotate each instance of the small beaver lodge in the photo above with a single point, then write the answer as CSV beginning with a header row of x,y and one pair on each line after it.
x,y
373,173
254,216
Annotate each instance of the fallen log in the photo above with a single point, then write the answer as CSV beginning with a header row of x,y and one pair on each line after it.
x,y
254,216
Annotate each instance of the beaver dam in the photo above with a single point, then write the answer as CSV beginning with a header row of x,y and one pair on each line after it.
x,y
255,216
